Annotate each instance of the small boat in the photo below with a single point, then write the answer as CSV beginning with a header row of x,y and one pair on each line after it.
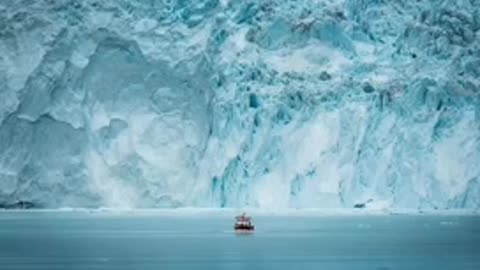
x,y
243,224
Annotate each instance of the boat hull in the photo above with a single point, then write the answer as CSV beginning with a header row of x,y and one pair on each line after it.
x,y
244,229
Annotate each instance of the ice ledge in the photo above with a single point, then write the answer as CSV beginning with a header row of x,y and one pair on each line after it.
x,y
188,211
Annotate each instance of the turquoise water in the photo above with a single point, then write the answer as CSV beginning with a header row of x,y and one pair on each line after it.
x,y
60,240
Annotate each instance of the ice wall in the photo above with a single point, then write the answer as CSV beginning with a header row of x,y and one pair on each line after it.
x,y
272,104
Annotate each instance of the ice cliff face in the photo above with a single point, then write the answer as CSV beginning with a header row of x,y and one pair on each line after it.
x,y
307,103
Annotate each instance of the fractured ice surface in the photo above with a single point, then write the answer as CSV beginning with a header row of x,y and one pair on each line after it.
x,y
270,104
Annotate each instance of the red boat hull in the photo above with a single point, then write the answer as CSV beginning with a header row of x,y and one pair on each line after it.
x,y
244,229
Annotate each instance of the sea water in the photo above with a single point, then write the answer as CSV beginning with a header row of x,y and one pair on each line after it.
x,y
105,240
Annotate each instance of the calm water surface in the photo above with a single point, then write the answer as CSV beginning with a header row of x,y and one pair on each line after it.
x,y
56,240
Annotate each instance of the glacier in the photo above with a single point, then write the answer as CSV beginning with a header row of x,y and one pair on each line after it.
x,y
267,104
